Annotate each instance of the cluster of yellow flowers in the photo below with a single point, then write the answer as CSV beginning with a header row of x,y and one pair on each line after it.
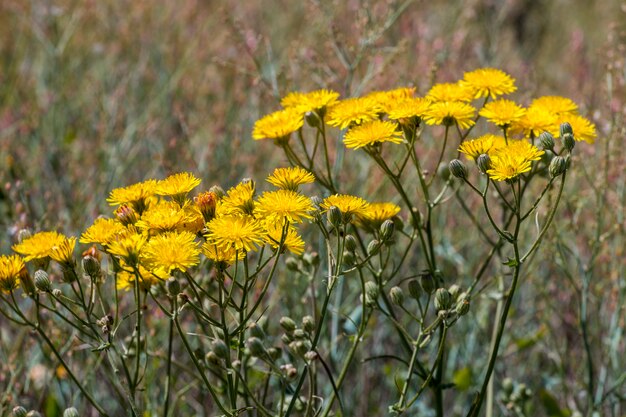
x,y
383,116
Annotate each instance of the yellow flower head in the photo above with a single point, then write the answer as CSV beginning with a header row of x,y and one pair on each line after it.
x,y
126,278
312,101
513,160
521,148
206,203
376,213
63,253
102,231
11,268
535,122
238,200
279,205
221,254
352,111
126,214
502,112
481,145
489,82
369,133
385,99
290,178
450,92
348,205
169,251
407,108
278,125
177,185
448,113
292,240
136,195
555,104
39,245
242,233
583,128
167,216
127,247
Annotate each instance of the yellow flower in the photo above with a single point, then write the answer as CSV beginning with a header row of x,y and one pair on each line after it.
x,y
376,213
502,112
125,278
448,113
238,200
489,82
177,185
39,245
11,268
583,128
221,254
63,253
240,232
385,99
128,247
407,108
352,111
450,92
521,148
290,178
283,204
167,216
292,240
513,160
126,215
278,125
535,122
555,104
136,195
169,251
481,145
369,133
102,231
348,205
311,101
206,203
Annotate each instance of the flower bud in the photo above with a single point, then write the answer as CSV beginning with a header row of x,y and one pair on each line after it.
x,y
458,169
462,304
292,263
256,346
308,323
484,163
507,386
173,287
386,230
371,290
427,280
312,119
334,216
317,201
288,324
91,266
565,128
211,357
373,247
71,412
546,140
274,353
310,356
126,215
443,299
22,235
348,258
299,334
443,171
454,291
558,166
568,141
33,413
220,349
19,411
311,258
56,293
415,290
397,296
206,202
299,346
350,243
256,331
218,191
42,281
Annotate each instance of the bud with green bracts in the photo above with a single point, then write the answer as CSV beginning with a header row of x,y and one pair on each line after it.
x,y
458,169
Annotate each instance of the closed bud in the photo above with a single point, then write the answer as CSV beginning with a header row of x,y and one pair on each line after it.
x,y
256,346
312,119
565,129
317,201
348,258
371,290
558,166
19,411
220,349
350,243
91,266
292,263
173,287
462,304
308,323
310,355
546,140
386,230
299,334
126,215
454,291
288,324
568,141
484,163
334,216
458,169
286,339
33,413
299,346
22,235
427,280
373,247
256,331
211,357
311,258
507,386
218,191
70,412
415,290
443,171
397,296
42,281
443,299
274,353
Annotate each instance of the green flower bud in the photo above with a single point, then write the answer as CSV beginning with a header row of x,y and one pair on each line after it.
x,y
71,412
19,411
558,166
371,289
274,353
443,299
386,230
288,324
91,266
373,247
397,296
220,349
292,263
415,290
427,280
256,347
286,339
312,119
42,281
299,346
348,258
507,386
350,243
308,323
444,171
568,141
484,163
311,258
299,334
256,331
458,169
462,304
211,357
565,128
334,216
454,291
546,140
173,287
218,191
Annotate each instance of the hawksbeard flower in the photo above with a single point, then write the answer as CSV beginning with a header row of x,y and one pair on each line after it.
x,y
290,178
502,112
11,268
555,104
407,108
376,213
291,240
238,200
221,254
481,145
284,204
535,122
169,216
583,128
63,253
348,205
370,133
278,125
39,245
450,92
488,82
513,160
128,247
352,111
169,251
125,278
136,195
448,113
386,99
311,101
242,233
177,186
102,231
